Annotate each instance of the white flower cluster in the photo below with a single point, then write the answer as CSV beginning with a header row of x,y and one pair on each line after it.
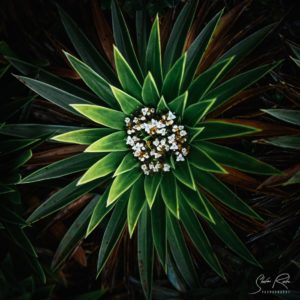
x,y
154,137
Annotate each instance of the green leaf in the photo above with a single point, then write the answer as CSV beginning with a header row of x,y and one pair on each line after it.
x,y
153,52
180,252
86,50
150,92
123,40
294,179
145,252
53,94
93,80
128,80
121,184
135,204
178,104
197,111
197,49
162,106
82,136
184,174
7,215
113,142
151,187
13,145
221,130
128,163
205,81
199,238
223,194
178,34
247,45
102,167
194,132
75,233
34,130
102,115
201,160
62,198
142,27
112,233
286,115
70,165
292,142
173,80
127,103
236,159
227,235
18,235
196,201
235,85
159,229
168,193
99,212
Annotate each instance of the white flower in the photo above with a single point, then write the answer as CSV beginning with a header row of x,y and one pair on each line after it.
x,y
166,167
152,137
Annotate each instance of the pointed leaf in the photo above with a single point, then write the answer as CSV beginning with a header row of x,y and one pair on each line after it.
x,y
145,252
112,233
222,193
197,202
127,103
178,104
150,92
159,229
93,80
88,53
292,142
168,193
99,212
197,111
153,53
121,184
286,115
197,49
102,167
135,204
247,45
180,252
205,81
128,80
178,34
184,174
221,130
102,115
228,236
151,186
122,38
127,164
201,160
233,86
53,94
74,234
173,80
70,165
82,136
199,238
113,142
62,198
236,159
162,106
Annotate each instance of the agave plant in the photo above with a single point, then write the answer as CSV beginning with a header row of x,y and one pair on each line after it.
x,y
150,143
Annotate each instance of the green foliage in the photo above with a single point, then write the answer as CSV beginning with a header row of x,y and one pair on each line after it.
x,y
158,205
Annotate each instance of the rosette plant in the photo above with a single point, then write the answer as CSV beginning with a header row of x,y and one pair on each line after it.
x,y
150,144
